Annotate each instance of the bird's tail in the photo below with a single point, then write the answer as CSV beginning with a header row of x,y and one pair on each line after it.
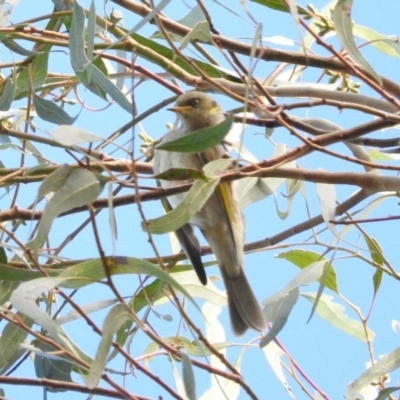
x,y
244,310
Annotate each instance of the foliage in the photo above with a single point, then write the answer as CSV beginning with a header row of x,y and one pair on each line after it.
x,y
92,291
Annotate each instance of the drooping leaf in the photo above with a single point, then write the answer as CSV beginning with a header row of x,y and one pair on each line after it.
x,y
105,84
303,259
54,181
7,95
277,313
81,187
188,377
10,342
76,39
24,300
327,201
341,17
335,314
113,321
54,368
91,30
51,112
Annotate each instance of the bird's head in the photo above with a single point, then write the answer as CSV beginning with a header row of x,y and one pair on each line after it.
x,y
197,110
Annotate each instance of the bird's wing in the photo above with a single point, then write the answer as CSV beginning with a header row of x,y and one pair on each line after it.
x,y
224,193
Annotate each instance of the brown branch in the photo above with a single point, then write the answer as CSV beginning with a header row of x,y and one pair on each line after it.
x,y
261,52
71,386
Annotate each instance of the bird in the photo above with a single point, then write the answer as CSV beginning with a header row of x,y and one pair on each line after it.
x,y
220,220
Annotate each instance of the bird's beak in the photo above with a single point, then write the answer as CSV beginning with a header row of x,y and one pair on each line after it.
x,y
179,109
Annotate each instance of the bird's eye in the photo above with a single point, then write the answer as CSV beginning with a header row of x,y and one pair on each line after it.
x,y
194,102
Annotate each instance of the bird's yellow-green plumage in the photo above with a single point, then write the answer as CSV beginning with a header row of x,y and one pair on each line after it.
x,y
220,220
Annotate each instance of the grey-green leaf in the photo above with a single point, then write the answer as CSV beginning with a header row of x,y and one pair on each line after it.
x,y
51,112
7,96
277,313
76,40
81,187
341,17
193,202
109,87
188,377
114,320
200,140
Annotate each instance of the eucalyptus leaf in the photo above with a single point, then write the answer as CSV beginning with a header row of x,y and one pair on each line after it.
x,y
304,258
10,342
200,140
72,135
277,313
379,369
81,187
335,314
51,112
113,321
341,17
76,39
8,93
187,209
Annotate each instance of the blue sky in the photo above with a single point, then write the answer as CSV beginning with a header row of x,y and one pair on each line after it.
x,y
330,357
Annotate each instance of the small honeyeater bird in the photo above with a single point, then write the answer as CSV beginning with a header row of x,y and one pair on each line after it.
x,y
220,220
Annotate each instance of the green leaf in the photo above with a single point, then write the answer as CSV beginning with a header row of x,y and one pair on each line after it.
x,y
91,271
3,256
388,363
11,339
91,30
385,44
376,255
187,209
105,84
81,187
201,31
34,79
335,314
51,112
51,367
113,321
16,48
76,39
208,69
188,377
8,93
279,5
303,259
13,275
277,312
385,393
24,299
6,288
54,181
375,250
200,140
341,17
